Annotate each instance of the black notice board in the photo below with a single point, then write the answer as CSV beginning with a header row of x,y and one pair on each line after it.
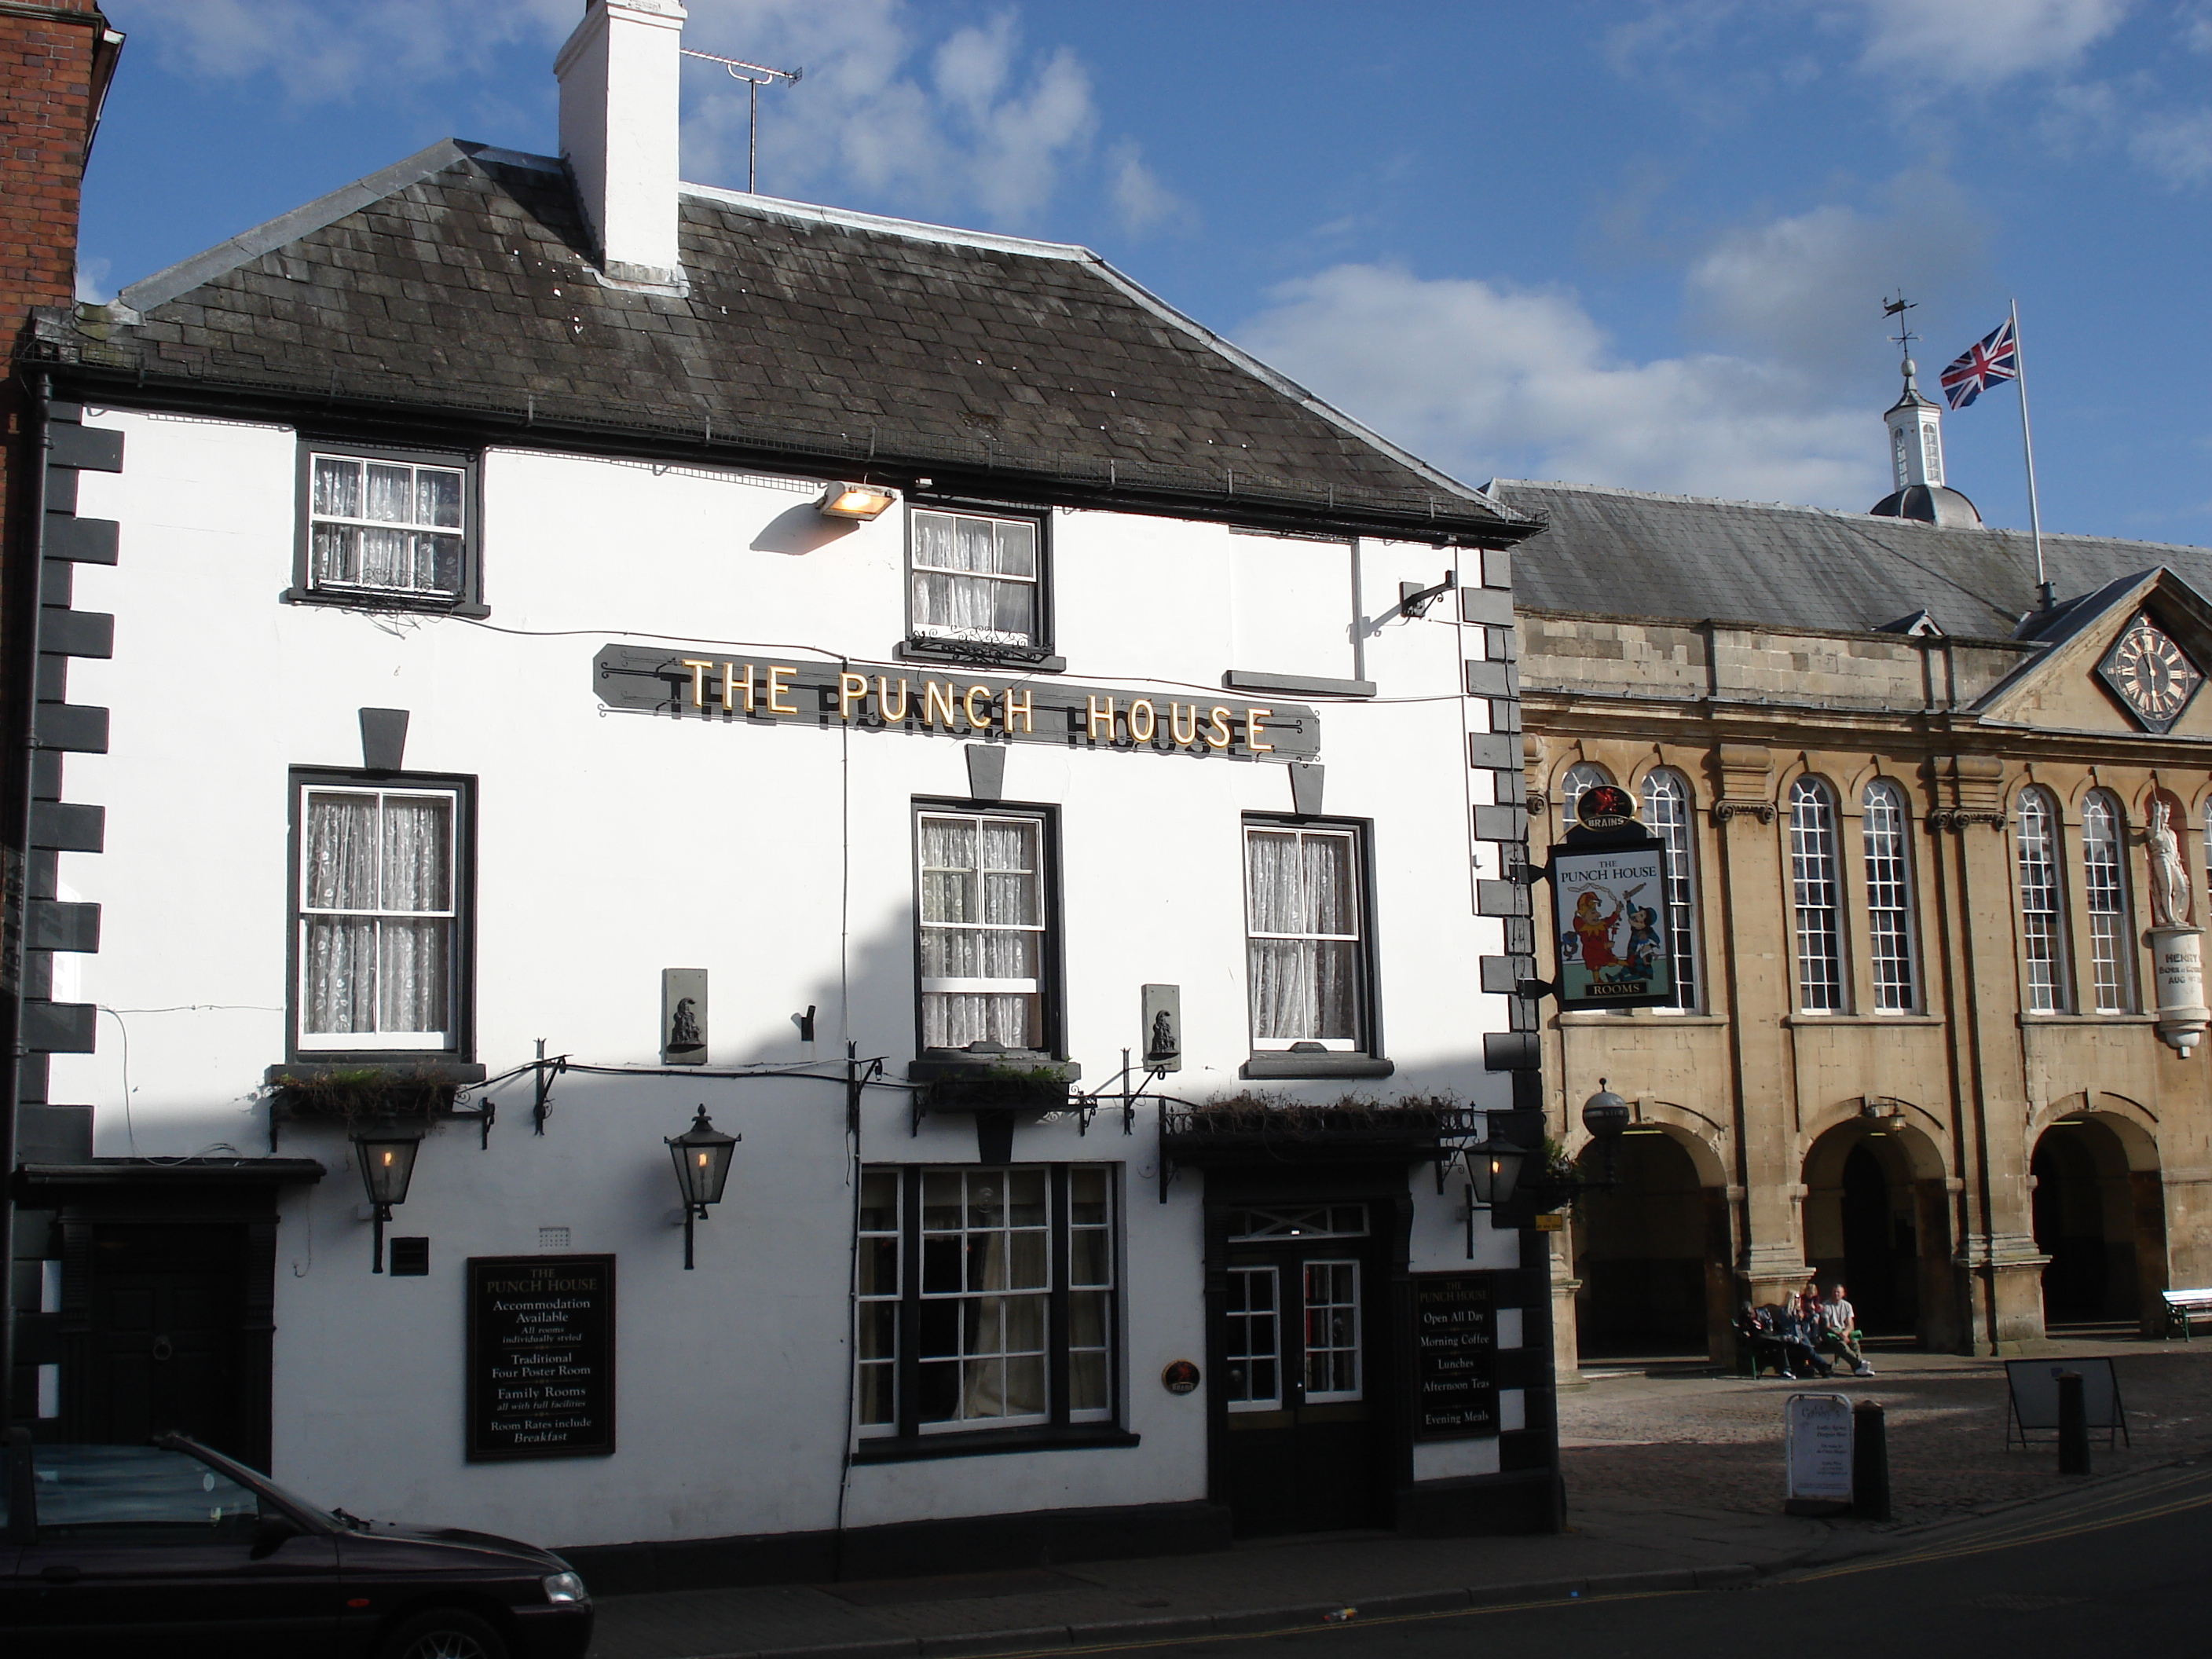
x,y
1454,1337
541,1357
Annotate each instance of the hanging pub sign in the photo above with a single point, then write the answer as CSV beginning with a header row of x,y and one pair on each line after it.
x,y
1609,908
1455,1338
698,684
541,1357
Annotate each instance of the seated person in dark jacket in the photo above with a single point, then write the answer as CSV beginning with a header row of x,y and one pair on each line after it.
x,y
1754,1329
1799,1341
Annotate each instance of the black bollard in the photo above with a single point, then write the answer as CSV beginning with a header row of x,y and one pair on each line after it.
x,y
1870,1461
2073,1425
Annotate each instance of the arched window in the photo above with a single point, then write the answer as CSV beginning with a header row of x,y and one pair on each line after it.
x,y
1667,815
2042,928
2105,894
1882,837
1576,780
1813,877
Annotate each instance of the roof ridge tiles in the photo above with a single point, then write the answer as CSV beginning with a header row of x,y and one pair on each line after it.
x,y
1864,520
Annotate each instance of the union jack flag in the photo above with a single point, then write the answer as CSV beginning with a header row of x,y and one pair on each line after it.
x,y
1994,357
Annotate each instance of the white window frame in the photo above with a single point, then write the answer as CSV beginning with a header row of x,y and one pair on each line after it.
x,y
1033,987
2037,868
1884,837
462,533
1313,1396
1667,815
350,1043
1363,1013
2104,896
1816,895
1241,1323
942,633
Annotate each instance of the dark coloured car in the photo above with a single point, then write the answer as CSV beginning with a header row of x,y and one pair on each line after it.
x,y
171,1548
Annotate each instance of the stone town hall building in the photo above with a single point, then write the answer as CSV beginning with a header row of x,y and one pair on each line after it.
x,y
1906,808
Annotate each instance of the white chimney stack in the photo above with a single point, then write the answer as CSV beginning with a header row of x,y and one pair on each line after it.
x,y
618,125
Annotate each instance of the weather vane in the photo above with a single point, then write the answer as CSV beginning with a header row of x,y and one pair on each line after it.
x,y
1905,336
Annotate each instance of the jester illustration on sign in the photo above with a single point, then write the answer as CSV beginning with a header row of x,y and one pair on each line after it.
x,y
1594,942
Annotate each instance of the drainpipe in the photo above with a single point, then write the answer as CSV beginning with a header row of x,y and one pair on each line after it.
x,y
24,596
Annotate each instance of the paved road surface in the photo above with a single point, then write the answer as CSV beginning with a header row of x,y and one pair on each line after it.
x,y
2125,1575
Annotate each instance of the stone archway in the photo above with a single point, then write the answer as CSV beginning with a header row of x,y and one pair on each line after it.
x,y
1877,1220
2099,1214
1652,1252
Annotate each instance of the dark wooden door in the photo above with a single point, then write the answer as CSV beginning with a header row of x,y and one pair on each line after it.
x,y
163,1348
1303,1425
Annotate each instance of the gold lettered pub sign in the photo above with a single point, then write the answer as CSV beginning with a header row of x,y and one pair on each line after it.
x,y
703,684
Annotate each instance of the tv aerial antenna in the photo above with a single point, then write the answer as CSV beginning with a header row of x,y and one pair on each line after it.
x,y
755,76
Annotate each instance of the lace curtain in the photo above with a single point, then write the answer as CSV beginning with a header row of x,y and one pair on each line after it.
x,y
379,964
962,572
982,919
1303,988
380,553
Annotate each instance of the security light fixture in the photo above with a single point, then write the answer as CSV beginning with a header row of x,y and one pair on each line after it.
x,y
701,1154
1605,1115
387,1165
860,502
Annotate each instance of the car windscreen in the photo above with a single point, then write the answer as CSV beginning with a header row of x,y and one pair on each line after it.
x,y
298,1504
139,1492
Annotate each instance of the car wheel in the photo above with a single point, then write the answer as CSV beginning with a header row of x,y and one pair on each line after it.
x,y
444,1633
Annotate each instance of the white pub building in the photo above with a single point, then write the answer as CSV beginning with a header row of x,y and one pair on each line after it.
x,y
537,661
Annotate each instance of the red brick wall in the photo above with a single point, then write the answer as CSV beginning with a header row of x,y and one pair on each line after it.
x,y
46,66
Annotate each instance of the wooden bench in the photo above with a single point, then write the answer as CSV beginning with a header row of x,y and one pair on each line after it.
x,y
2182,1306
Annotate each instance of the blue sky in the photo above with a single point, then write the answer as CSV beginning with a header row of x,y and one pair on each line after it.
x,y
1633,244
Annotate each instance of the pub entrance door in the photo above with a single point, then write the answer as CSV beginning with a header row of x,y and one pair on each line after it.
x,y
162,1349
1299,1322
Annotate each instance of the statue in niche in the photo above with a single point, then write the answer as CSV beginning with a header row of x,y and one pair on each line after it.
x,y
2169,869
683,1029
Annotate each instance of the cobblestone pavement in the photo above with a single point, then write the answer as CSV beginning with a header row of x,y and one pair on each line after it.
x,y
1674,1431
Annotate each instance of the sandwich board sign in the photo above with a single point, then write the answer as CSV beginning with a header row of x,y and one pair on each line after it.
x,y
1816,1436
1609,908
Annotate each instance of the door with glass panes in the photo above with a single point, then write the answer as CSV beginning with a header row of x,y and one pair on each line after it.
x,y
1302,1425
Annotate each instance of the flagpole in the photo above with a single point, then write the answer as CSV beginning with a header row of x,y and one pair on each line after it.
x,y
2027,447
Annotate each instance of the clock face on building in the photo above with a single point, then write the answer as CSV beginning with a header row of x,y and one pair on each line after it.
x,y
2150,674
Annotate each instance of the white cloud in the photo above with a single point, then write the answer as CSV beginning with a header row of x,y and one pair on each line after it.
x,y
1983,43
893,108
1485,379
1137,194
317,52
91,276
2176,148
1807,288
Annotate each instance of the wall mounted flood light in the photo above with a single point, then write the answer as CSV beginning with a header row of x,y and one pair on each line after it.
x,y
701,1153
387,1165
860,502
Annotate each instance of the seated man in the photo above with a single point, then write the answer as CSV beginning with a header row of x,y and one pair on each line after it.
x,y
1838,1330
1754,1330
1798,1337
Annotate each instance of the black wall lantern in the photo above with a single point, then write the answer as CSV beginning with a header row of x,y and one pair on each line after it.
x,y
387,1165
702,1169
1493,1168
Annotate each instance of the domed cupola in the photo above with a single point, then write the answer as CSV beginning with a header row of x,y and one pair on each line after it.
x,y
1915,456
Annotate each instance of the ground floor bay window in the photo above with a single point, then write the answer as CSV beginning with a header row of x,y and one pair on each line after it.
x,y
986,1301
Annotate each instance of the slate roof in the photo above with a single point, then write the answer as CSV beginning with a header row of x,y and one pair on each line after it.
x,y
461,279
1627,553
